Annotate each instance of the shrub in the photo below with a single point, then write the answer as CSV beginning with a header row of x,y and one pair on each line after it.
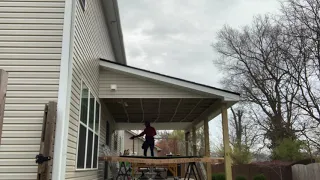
x,y
259,177
219,176
241,154
241,178
288,150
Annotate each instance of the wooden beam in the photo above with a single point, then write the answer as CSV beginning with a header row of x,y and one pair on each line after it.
x,y
211,112
207,147
175,112
227,149
194,141
156,125
47,140
153,161
3,92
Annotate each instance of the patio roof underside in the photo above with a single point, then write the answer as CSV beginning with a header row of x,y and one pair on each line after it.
x,y
164,113
133,96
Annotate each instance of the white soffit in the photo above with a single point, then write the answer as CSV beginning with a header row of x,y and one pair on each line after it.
x,y
215,92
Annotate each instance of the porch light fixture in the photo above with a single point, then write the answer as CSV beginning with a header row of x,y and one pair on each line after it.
x,y
113,87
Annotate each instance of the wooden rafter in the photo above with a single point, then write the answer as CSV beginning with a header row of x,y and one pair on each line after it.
x,y
142,110
125,110
192,110
159,110
175,112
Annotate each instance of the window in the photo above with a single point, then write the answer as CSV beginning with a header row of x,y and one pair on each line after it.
x,y
83,4
89,120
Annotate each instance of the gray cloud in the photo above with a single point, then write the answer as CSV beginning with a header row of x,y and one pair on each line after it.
x,y
173,37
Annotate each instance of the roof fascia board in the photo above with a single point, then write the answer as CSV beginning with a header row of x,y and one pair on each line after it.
x,y
156,77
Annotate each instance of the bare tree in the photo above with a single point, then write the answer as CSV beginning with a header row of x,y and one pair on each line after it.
x,y
244,133
301,21
254,63
243,129
244,136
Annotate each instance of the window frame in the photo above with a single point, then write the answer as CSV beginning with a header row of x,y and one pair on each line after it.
x,y
87,126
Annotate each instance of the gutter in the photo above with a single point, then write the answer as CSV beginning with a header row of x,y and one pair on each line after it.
x,y
64,93
111,13
120,34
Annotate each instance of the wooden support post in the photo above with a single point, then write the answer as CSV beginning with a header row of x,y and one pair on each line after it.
x,y
227,157
3,91
47,140
186,139
194,141
132,146
207,147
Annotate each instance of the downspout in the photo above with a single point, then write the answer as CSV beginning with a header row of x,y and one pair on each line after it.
x,y
64,93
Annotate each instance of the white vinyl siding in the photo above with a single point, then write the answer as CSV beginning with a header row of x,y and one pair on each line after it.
x,y
135,87
91,42
30,51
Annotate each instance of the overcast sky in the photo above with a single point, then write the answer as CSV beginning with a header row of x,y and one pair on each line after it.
x,y
174,37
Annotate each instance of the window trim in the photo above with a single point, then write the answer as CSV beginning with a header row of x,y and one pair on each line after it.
x,y
83,82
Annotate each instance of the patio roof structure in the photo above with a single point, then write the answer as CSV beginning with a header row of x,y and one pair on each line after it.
x,y
134,95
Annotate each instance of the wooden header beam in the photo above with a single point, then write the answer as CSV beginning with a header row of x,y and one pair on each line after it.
x,y
156,125
161,161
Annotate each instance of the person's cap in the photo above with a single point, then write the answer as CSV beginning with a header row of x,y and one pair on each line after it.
x,y
146,123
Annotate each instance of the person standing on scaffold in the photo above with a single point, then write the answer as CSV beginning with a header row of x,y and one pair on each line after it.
x,y
150,132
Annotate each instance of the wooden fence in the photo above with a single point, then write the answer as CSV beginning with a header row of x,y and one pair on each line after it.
x,y
306,172
300,171
251,170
